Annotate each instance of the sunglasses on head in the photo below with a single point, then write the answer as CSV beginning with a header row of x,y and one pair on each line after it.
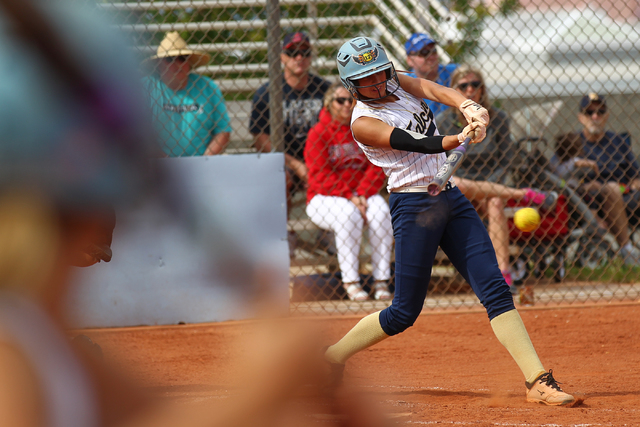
x,y
474,84
341,100
600,111
425,52
292,53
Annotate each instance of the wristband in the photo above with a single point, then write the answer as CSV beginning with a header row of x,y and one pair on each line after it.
x,y
407,140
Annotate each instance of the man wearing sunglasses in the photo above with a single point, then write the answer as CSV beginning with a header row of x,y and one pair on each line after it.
x,y
302,97
422,57
188,109
611,151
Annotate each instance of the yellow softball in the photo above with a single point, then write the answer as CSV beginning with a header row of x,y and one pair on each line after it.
x,y
526,219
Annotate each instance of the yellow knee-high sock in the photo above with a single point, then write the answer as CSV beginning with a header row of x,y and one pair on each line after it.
x,y
511,332
366,333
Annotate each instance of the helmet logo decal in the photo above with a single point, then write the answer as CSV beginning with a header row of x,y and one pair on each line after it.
x,y
366,57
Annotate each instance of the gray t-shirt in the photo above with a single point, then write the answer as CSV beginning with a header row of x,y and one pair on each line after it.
x,y
490,160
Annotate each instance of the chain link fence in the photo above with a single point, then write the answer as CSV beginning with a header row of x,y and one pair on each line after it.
x,y
532,63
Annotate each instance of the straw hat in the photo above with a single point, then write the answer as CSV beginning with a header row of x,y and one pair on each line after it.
x,y
174,45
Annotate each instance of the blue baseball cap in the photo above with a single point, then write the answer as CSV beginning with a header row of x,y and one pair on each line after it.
x,y
417,42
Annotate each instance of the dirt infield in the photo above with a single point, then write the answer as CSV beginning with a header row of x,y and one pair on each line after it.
x,y
448,369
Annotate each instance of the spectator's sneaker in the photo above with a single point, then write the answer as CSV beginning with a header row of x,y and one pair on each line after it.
x,y
630,256
355,292
507,277
509,280
545,389
382,291
545,199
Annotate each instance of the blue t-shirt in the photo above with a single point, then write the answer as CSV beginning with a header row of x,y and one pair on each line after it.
x,y
614,157
444,79
301,109
186,120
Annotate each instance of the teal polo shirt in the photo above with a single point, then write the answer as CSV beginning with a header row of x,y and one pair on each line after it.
x,y
186,120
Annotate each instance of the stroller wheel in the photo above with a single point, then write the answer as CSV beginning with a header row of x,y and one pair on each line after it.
x,y
593,257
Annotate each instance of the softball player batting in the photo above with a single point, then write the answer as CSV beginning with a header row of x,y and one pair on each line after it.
x,y
396,131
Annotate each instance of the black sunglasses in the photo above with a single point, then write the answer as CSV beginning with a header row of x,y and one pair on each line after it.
x,y
179,58
474,84
600,111
292,53
341,100
425,52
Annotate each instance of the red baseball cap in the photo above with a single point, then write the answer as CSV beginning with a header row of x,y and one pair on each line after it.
x,y
295,39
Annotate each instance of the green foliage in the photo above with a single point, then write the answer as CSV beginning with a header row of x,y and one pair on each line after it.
x,y
613,272
471,24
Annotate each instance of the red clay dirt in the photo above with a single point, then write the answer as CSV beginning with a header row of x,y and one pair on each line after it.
x,y
448,369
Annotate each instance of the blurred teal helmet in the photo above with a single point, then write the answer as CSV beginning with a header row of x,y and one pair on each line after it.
x,y
361,57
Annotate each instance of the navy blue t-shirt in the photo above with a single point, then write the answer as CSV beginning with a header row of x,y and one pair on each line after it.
x,y
300,112
614,157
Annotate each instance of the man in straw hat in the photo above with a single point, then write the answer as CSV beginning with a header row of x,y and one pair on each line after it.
x,y
188,108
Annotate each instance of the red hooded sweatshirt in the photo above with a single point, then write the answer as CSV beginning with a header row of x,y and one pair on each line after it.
x,y
336,165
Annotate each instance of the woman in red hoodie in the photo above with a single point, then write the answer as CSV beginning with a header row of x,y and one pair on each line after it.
x,y
343,195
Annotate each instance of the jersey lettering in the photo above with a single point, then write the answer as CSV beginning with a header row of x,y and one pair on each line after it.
x,y
423,121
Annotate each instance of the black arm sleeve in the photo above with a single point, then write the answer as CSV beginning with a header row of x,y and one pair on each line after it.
x,y
404,140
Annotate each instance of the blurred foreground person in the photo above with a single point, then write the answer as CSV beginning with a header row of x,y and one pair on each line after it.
x,y
75,143
74,147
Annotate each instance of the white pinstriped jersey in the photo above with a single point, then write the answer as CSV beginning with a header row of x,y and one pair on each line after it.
x,y
404,168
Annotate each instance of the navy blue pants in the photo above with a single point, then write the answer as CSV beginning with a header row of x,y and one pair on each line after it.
x,y
421,223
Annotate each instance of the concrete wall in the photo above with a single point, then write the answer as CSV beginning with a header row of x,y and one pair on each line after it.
x,y
202,263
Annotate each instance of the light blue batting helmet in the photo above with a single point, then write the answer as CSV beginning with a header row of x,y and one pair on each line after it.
x,y
361,57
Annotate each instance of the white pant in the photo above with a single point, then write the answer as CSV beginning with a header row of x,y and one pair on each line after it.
x,y
344,218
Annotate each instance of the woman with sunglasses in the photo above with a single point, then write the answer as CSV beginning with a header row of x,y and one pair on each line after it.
x,y
396,130
487,165
342,195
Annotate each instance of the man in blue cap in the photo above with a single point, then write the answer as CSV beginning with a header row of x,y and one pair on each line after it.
x,y
422,57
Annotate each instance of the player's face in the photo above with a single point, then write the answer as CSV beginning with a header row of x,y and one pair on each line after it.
x,y
471,87
296,59
425,61
594,118
174,71
342,104
376,85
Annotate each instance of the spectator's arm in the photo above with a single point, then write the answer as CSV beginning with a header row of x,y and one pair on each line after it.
x,y
262,142
222,124
297,166
218,144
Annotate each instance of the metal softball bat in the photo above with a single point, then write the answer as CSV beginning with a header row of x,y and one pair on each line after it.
x,y
450,166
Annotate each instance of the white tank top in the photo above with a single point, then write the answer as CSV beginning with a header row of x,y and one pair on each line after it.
x,y
404,168
68,395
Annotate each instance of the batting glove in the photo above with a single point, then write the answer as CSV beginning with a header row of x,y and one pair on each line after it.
x,y
474,112
476,131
